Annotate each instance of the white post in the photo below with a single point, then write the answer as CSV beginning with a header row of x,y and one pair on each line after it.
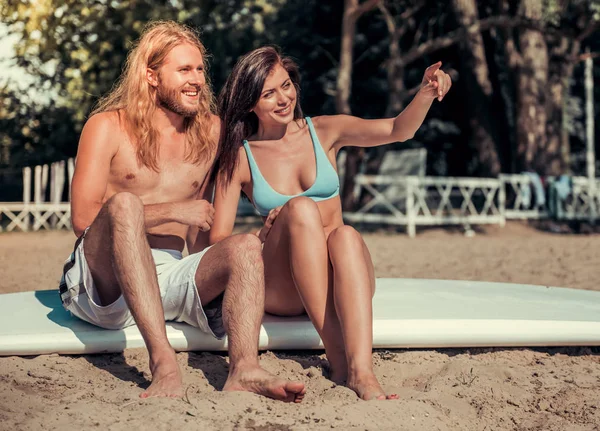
x,y
27,185
26,194
411,186
37,192
71,171
37,196
53,168
54,196
44,182
60,180
502,200
589,129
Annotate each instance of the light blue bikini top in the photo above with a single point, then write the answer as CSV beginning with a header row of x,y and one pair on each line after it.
x,y
326,185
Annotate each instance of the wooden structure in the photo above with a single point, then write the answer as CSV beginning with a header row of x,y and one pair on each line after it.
x,y
432,201
50,182
388,199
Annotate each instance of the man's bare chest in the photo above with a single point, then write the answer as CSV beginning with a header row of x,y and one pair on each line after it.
x,y
176,178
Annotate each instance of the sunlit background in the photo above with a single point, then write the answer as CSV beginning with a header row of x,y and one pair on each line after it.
x,y
518,103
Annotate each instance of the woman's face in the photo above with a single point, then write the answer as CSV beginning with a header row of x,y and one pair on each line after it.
x,y
278,98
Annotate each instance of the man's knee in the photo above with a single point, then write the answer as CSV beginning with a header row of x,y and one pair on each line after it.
x,y
123,205
243,248
303,211
346,237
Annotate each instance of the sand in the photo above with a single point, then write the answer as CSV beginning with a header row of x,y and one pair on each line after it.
x,y
441,389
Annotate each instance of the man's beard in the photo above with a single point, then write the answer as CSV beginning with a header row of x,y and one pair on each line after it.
x,y
170,98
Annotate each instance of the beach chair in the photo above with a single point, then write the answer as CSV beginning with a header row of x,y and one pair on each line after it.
x,y
410,162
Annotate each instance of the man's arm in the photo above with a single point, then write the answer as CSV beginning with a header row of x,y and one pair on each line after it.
x,y
97,147
197,239
157,214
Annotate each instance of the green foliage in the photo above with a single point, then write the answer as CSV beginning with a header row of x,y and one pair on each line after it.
x,y
76,49
33,133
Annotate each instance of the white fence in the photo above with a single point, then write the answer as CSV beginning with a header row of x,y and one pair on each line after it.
x,y
580,199
409,201
49,182
467,201
430,201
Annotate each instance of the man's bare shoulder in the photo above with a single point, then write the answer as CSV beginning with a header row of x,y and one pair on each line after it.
x,y
216,120
110,121
215,130
105,129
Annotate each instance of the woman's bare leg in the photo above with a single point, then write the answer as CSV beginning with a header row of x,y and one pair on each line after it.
x,y
297,275
354,286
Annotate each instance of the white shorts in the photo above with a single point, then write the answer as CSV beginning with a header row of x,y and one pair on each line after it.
x,y
176,280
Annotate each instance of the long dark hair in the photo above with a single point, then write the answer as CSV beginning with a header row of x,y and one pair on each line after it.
x,y
240,95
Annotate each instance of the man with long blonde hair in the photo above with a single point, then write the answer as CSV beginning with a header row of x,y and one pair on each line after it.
x,y
140,192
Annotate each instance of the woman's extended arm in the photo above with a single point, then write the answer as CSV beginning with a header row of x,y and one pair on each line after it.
x,y
347,130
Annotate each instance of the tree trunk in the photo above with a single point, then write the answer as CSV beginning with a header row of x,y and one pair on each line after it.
x,y
479,89
532,96
352,11
396,88
396,97
555,158
344,78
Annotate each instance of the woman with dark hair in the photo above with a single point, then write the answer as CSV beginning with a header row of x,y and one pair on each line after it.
x,y
285,164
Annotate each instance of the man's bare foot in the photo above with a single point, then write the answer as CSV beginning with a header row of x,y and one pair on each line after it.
x,y
166,379
255,379
368,388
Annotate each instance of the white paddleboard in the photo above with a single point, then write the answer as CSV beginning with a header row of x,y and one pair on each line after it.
x,y
408,313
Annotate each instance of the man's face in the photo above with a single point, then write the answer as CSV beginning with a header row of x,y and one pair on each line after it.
x,y
181,80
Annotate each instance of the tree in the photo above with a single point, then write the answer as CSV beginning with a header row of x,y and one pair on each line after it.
x,y
76,50
353,10
476,77
542,63
33,133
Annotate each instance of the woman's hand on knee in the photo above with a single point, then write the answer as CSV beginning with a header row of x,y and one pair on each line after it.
x,y
262,234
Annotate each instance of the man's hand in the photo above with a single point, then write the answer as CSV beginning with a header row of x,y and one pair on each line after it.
x,y
262,234
196,212
436,83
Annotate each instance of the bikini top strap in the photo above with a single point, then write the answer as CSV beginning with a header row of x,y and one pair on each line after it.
x,y
251,161
313,134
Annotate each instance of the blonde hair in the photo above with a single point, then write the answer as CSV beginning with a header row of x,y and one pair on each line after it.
x,y
136,98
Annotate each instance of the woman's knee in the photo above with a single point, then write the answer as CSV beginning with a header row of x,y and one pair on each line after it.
x,y
302,211
346,237
124,204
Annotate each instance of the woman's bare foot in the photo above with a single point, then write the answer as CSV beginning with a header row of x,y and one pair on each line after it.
x,y
338,367
368,388
255,379
337,375
166,378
